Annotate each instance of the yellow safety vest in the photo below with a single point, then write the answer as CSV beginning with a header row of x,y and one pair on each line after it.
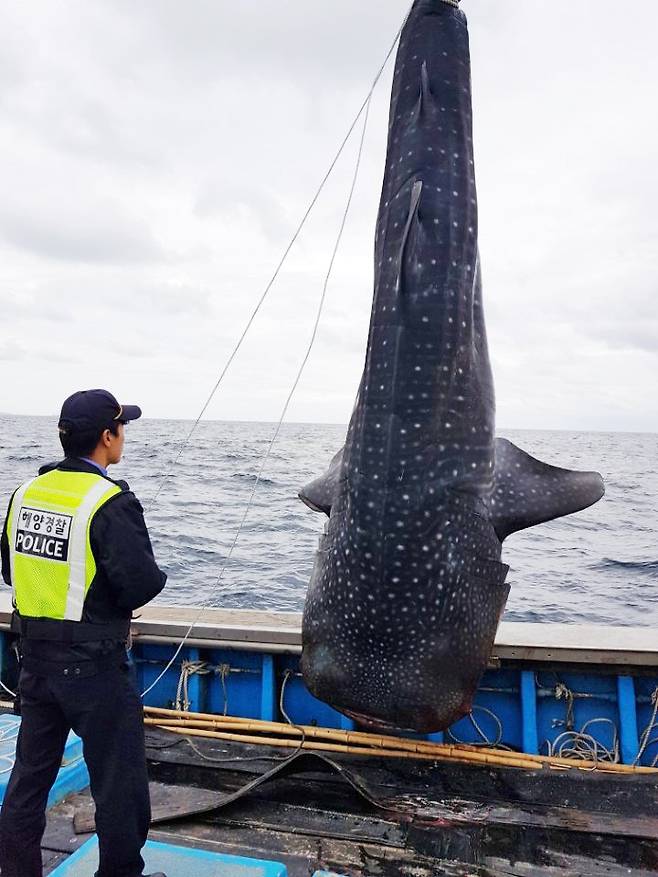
x,y
51,562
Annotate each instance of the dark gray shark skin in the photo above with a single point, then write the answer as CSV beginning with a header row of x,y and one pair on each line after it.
x,y
408,585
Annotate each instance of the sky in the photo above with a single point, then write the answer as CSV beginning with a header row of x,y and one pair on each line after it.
x,y
156,158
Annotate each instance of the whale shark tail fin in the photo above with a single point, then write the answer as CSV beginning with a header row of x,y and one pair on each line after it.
x,y
528,492
320,494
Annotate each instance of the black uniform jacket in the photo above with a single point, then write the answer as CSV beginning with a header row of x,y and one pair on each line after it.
x,y
127,575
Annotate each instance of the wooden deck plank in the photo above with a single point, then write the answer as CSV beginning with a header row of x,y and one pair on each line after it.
x,y
442,812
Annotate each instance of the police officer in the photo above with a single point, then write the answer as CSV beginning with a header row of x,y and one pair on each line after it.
x,y
77,555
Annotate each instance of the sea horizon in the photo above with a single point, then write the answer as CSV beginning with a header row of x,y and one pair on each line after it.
x,y
599,566
144,418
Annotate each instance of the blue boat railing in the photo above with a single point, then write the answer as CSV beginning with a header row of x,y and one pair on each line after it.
x,y
548,711
559,696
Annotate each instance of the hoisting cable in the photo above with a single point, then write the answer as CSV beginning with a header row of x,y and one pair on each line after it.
x,y
298,376
363,108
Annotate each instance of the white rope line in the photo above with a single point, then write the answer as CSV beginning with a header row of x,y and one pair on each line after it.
x,y
645,741
300,371
8,690
364,107
484,740
188,668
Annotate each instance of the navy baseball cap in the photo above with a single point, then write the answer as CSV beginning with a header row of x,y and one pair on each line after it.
x,y
89,410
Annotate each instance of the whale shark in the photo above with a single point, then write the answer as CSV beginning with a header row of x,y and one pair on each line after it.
x,y
408,585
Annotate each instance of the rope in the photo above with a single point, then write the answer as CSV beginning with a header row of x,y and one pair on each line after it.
x,y
188,668
564,692
585,747
484,740
285,715
579,744
265,458
8,690
229,758
222,671
645,742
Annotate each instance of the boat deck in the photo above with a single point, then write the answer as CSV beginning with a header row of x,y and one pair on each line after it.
x,y
373,816
386,817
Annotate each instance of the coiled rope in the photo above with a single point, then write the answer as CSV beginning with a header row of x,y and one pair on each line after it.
x,y
496,743
579,744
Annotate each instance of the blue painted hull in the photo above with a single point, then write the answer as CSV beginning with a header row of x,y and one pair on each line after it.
x,y
523,707
527,706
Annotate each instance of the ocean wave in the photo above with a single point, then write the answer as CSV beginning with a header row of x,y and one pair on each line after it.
x,y
26,458
250,477
597,566
643,566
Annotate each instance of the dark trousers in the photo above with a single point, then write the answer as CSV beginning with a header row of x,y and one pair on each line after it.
x,y
105,710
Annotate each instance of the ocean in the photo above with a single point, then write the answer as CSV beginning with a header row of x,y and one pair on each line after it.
x,y
599,566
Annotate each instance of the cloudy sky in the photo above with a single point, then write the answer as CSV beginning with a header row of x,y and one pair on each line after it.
x,y
155,158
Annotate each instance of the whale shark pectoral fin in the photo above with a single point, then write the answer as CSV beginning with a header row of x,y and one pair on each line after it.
x,y
320,494
528,492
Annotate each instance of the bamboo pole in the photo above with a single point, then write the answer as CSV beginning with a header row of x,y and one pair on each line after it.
x,y
406,747
345,749
206,721
350,737
442,753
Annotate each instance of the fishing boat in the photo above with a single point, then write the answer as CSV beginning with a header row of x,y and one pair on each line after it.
x,y
553,773
555,768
